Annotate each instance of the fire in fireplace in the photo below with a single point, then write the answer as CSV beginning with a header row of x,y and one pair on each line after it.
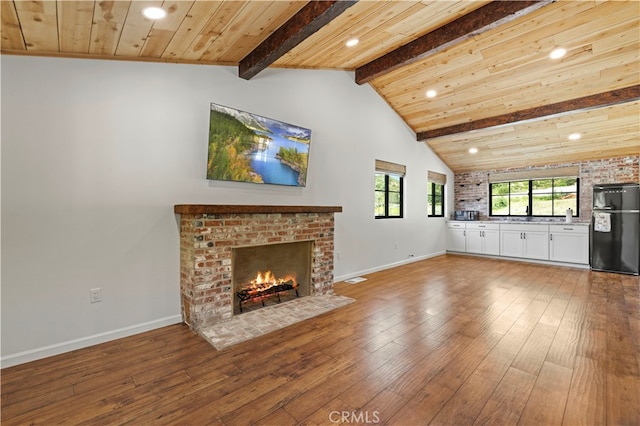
x,y
267,274
266,286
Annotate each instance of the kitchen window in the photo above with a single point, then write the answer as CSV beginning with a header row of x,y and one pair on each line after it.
x,y
389,190
535,197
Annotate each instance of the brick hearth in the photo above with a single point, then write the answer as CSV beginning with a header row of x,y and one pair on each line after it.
x,y
209,232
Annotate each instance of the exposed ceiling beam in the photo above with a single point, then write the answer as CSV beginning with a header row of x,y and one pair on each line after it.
x,y
472,24
303,24
600,100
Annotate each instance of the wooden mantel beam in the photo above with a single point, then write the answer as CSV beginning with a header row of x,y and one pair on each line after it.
x,y
600,100
303,24
470,25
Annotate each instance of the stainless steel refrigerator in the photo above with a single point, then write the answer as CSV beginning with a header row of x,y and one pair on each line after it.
x,y
615,228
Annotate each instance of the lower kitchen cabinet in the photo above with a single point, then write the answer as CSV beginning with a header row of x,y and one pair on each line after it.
x,y
566,243
456,237
526,241
483,238
569,243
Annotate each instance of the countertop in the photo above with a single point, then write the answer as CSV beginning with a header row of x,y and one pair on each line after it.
x,y
523,222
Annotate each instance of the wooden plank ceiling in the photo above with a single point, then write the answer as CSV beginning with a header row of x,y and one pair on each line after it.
x,y
497,89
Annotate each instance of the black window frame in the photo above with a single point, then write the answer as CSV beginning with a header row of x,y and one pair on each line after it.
x,y
530,194
431,206
386,192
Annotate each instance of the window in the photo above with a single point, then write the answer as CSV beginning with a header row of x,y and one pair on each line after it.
x,y
388,190
435,199
534,197
435,194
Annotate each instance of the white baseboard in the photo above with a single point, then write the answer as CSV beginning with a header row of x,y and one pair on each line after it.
x,y
388,266
71,345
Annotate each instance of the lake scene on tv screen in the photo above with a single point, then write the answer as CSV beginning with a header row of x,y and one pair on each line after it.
x,y
245,147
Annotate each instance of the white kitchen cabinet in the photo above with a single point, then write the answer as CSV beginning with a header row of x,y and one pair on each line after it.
x,y
456,237
524,240
569,243
483,238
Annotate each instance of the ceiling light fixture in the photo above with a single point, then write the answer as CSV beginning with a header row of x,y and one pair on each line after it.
x,y
352,42
431,93
154,13
558,53
473,150
574,136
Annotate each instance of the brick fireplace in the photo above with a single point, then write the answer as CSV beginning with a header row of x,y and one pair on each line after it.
x,y
210,233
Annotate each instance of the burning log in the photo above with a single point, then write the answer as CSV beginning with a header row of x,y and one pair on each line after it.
x,y
263,287
249,293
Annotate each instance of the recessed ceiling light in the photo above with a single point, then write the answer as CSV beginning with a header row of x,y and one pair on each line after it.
x,y
574,136
352,42
431,93
558,53
154,13
473,150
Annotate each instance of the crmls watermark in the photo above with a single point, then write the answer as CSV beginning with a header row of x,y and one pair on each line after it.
x,y
354,417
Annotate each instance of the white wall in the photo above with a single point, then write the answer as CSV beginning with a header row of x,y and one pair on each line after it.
x,y
96,153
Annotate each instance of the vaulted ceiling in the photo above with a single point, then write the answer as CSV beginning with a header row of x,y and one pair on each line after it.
x,y
497,88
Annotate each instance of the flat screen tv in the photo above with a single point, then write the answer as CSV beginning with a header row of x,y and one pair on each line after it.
x,y
245,147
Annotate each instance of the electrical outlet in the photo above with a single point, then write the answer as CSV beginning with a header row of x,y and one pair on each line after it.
x,y
395,246
339,255
95,295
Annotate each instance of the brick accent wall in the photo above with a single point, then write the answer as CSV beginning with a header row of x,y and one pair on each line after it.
x,y
206,242
472,188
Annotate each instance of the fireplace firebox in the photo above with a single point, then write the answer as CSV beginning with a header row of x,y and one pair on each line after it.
x,y
272,273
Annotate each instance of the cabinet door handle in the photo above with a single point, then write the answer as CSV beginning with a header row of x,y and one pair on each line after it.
x,y
521,235
551,237
464,233
524,235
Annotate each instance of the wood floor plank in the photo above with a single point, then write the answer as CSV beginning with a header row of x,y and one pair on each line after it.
x,y
306,378
547,402
467,403
331,413
460,368
623,400
423,371
358,394
506,403
423,406
499,360
303,405
279,417
381,408
424,343
535,349
563,350
586,400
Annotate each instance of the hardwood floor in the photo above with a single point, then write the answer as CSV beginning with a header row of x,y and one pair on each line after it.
x,y
453,340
